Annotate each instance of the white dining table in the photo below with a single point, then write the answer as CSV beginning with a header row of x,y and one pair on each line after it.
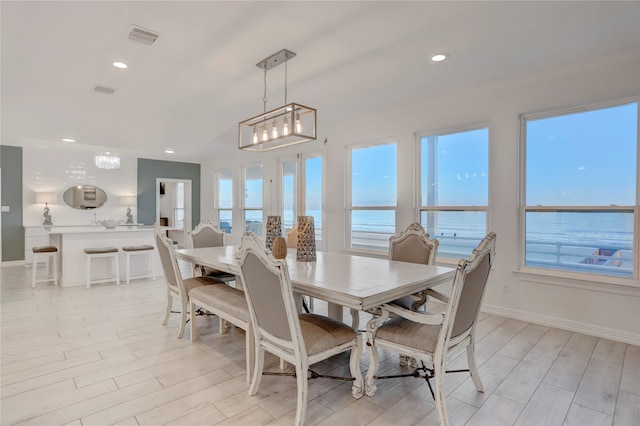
x,y
342,279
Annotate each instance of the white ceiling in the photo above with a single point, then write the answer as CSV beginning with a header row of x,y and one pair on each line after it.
x,y
191,88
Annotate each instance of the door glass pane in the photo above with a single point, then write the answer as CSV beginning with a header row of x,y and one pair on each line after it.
x,y
289,193
313,194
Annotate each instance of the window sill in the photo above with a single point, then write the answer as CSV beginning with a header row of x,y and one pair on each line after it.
x,y
607,284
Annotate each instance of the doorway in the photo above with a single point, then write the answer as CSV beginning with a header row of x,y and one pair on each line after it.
x,y
173,208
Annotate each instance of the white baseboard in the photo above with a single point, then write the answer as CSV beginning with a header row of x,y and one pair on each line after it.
x,y
13,263
579,327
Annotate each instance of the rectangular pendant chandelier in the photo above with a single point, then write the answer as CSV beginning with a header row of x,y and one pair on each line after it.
x,y
287,125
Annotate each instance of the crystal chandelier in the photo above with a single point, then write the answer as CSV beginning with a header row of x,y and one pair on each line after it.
x,y
287,125
107,162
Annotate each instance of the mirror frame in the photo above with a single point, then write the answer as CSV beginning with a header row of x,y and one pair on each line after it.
x,y
85,197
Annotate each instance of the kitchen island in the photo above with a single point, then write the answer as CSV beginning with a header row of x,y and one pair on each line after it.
x,y
72,240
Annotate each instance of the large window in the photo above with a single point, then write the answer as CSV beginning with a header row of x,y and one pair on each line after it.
x,y
454,189
302,191
252,198
225,200
374,197
579,204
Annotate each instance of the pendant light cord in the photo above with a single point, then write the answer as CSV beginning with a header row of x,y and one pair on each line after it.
x,y
264,98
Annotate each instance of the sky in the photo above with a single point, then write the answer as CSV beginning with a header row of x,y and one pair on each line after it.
x,y
586,158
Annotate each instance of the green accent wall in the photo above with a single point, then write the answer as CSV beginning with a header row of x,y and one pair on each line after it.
x,y
12,229
149,171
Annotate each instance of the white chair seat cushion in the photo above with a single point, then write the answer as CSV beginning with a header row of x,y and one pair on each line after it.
x,y
321,333
192,283
221,297
409,333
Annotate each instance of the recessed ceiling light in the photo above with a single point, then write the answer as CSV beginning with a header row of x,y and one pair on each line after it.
x,y
120,65
68,140
169,151
439,57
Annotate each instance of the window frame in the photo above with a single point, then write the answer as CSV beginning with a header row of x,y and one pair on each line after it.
x,y
421,207
523,208
349,196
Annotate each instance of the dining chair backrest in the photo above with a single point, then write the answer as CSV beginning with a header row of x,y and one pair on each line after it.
x,y
468,289
269,295
292,236
413,245
206,235
168,261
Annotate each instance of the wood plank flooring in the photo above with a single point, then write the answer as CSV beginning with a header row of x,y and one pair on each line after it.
x,y
100,356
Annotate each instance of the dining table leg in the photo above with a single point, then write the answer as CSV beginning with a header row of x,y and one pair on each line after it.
x,y
335,311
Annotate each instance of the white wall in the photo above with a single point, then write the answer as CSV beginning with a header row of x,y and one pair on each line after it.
x,y
603,307
45,170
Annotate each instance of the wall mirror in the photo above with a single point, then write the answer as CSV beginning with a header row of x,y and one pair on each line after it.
x,y
85,197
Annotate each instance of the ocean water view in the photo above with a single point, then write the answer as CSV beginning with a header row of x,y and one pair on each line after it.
x,y
598,242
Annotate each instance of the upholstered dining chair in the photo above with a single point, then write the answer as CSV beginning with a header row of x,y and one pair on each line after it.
x,y
292,236
436,339
206,234
176,286
300,339
414,245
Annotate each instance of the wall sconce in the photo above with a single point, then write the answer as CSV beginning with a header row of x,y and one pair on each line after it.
x,y
46,198
128,200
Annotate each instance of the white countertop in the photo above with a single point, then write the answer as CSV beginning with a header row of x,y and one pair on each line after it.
x,y
95,229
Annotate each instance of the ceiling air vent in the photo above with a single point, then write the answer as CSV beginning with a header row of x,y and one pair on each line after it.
x,y
103,89
142,36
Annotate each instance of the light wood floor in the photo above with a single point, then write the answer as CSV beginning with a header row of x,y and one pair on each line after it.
x,y
99,356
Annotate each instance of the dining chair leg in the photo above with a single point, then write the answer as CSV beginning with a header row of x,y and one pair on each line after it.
x,y
169,307
439,394
192,322
183,319
258,365
250,352
473,367
303,389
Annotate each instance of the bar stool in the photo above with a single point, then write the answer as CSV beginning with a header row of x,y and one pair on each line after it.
x,y
46,252
92,253
146,250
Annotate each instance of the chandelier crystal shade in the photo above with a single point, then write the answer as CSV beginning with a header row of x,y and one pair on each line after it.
x,y
287,125
108,162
